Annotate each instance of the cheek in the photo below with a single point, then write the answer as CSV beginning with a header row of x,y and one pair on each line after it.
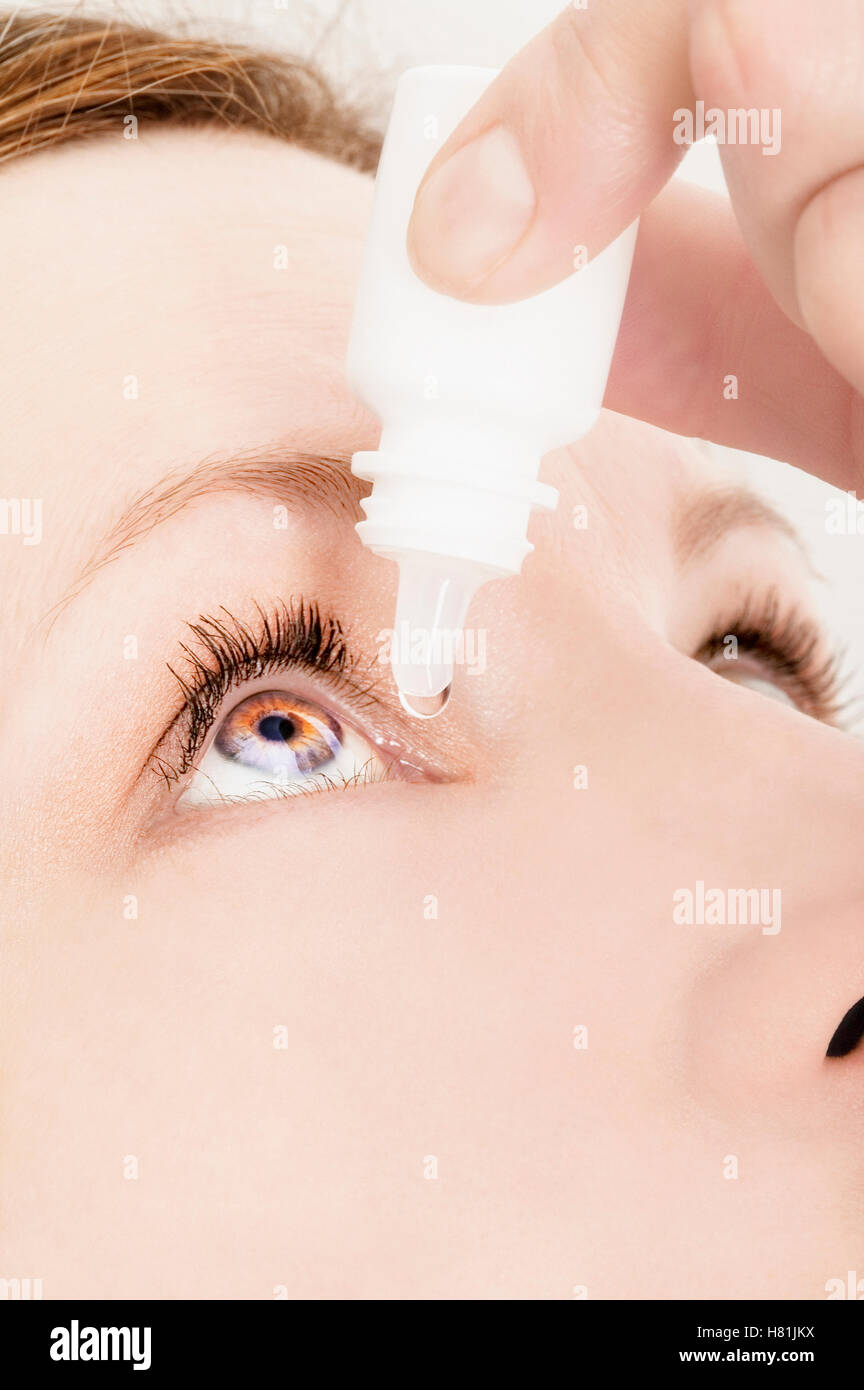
x,y
318,1000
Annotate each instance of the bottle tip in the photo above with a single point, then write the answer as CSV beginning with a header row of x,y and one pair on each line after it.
x,y
425,706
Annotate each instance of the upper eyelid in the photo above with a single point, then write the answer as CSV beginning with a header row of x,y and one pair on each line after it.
x,y
283,476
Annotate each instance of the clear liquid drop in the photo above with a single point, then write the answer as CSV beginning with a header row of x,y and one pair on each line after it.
x,y
425,706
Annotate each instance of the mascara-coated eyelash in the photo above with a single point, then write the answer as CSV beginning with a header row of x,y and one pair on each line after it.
x,y
231,652
792,649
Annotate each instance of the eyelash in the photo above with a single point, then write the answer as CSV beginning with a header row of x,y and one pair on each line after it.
x,y
231,652
792,647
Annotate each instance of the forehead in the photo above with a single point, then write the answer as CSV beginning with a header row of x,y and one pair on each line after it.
x,y
175,296
162,253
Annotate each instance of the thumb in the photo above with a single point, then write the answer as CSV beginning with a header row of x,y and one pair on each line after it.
x,y
561,153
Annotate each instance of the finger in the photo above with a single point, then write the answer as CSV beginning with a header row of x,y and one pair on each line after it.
x,y
704,349
563,150
800,66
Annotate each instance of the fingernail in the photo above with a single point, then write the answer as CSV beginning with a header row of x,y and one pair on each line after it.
x,y
471,213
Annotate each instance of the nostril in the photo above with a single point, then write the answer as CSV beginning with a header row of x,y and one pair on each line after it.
x,y
848,1033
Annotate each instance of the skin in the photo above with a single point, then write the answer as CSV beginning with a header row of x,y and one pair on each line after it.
x,y
306,1169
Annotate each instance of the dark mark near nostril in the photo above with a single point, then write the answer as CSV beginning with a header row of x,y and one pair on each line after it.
x,y
849,1033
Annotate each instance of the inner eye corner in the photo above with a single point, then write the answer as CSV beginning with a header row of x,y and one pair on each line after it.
x,y
848,1033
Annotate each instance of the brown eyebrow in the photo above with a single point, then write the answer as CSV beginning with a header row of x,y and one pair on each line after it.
x,y
296,478
285,478
702,521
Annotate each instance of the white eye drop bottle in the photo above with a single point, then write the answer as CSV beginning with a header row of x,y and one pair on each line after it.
x,y
470,398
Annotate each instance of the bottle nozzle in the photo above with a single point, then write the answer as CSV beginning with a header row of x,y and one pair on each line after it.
x,y
424,706
429,637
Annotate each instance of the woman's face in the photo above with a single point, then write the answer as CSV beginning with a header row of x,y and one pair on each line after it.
x,y
439,1028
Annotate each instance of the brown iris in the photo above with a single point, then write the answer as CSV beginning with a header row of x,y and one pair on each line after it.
x,y
279,734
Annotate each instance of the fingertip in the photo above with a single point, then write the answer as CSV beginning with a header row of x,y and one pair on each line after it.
x,y
471,213
829,272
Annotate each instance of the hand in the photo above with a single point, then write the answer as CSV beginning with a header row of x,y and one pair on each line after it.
x,y
574,139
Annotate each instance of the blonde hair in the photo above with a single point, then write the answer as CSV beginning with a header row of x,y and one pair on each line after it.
x,y
67,77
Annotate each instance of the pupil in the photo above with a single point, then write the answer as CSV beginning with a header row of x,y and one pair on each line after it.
x,y
277,728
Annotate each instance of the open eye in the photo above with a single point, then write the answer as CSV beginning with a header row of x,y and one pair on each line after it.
x,y
262,713
779,653
274,743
